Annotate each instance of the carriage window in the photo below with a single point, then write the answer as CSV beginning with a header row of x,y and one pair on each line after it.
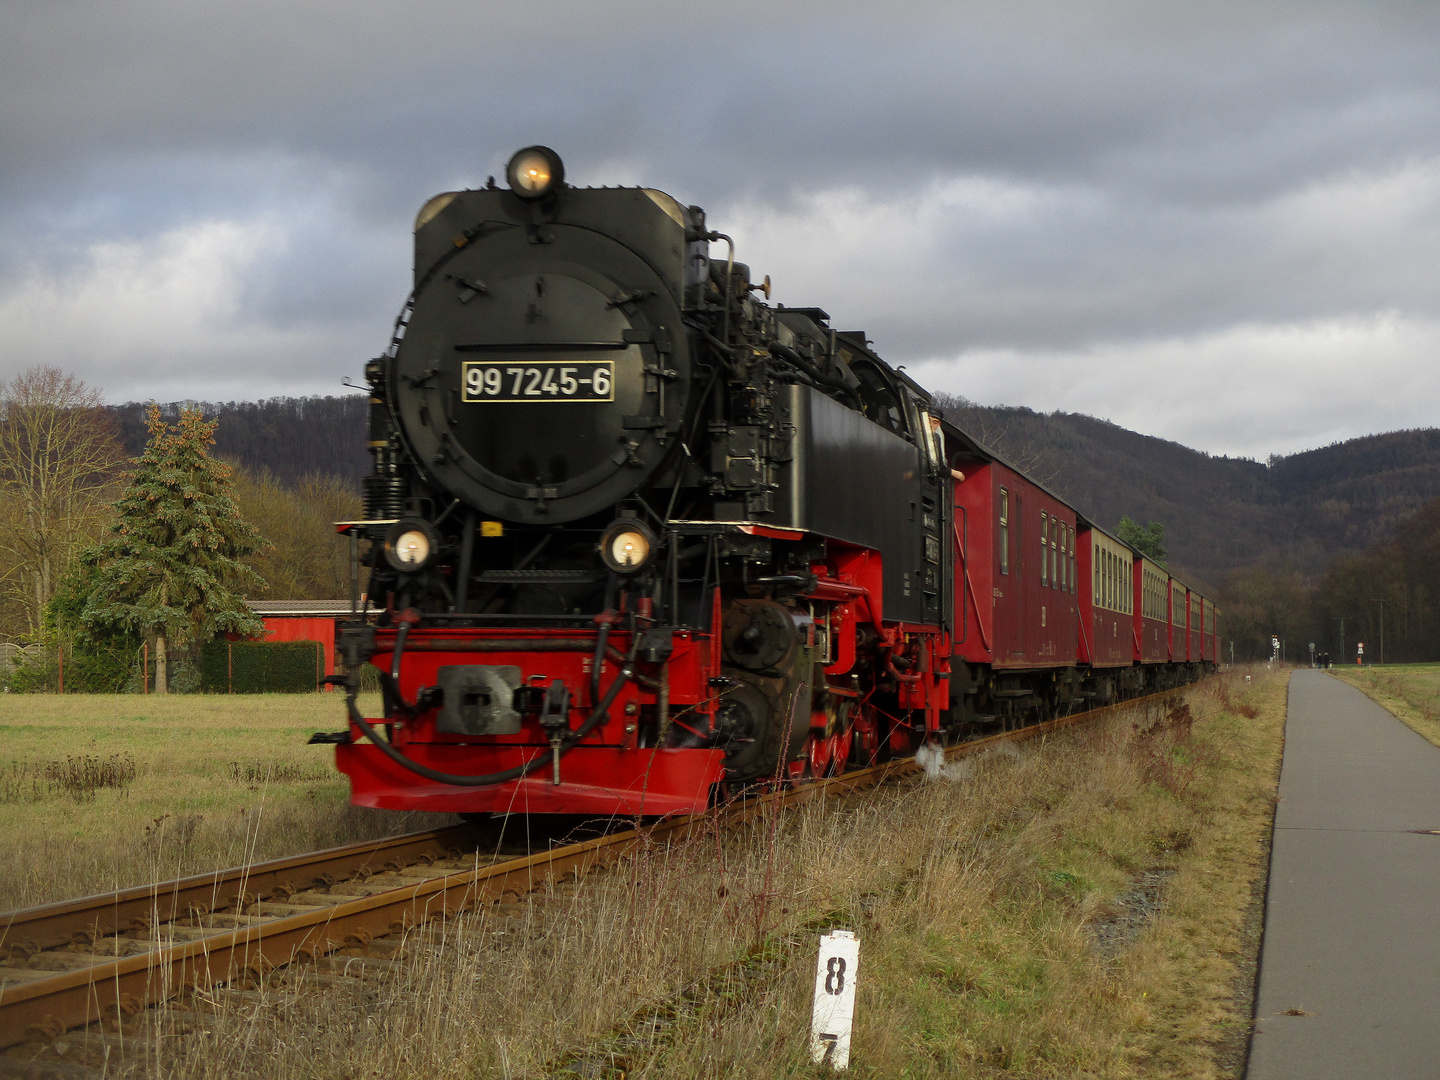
x,y
1055,552
1064,577
1044,555
1044,549
1004,531
1072,561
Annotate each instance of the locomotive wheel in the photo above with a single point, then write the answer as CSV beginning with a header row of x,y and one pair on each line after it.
x,y
751,733
829,754
758,635
864,740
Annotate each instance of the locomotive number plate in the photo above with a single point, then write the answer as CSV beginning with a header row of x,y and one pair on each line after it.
x,y
537,380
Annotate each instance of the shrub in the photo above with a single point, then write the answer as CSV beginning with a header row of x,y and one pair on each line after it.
x,y
261,667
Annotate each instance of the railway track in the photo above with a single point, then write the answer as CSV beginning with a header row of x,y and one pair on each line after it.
x,y
100,961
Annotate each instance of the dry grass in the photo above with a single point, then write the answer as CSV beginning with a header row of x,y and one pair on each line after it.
x,y
1410,691
102,792
1073,909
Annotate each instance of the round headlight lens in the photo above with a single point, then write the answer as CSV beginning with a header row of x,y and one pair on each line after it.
x,y
534,172
412,549
411,544
626,547
629,550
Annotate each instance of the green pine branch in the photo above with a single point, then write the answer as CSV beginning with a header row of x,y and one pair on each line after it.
x,y
172,563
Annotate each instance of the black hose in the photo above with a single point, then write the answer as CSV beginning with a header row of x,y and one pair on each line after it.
x,y
514,772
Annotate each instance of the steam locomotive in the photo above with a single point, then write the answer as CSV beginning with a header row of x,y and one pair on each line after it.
x,y
638,539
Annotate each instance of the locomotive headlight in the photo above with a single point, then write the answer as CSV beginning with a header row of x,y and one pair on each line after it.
x,y
412,549
535,172
626,546
410,545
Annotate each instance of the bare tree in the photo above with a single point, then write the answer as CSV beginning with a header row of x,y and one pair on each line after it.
x,y
304,559
995,427
59,465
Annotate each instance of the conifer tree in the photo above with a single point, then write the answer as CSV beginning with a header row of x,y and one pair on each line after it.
x,y
172,563
1149,539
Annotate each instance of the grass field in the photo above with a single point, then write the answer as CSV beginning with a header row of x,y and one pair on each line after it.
x,y
1089,906
100,792
1410,691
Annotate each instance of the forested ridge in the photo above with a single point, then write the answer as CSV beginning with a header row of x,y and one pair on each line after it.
x,y
1219,513
1290,546
288,438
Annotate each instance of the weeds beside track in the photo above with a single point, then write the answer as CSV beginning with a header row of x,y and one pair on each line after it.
x,y
668,874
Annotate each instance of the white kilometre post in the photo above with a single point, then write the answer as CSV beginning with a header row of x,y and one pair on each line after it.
x,y
834,1009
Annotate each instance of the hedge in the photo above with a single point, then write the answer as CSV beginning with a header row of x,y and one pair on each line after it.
x,y
262,667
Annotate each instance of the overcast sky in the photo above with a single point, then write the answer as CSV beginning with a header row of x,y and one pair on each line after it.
x,y
1213,223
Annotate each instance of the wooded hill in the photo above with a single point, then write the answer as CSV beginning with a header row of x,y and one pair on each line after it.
x,y
1220,513
288,438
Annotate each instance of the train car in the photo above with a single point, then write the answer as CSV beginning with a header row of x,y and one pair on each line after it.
x,y
1016,605
1107,639
1034,618
1208,651
1179,608
1151,611
639,540
1195,639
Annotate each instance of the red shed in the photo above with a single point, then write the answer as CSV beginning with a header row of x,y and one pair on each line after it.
x,y
302,620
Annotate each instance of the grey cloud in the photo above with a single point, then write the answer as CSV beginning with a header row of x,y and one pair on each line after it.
x,y
1165,153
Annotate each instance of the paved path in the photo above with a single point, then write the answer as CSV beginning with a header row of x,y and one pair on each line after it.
x,y
1352,919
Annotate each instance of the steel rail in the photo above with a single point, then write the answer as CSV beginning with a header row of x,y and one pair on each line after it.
x,y
114,988
48,926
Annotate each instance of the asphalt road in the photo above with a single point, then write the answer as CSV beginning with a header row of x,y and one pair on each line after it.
x,y
1350,966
